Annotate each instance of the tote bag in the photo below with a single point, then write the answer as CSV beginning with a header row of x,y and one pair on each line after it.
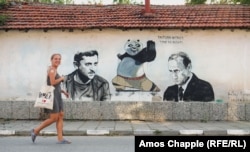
x,y
45,97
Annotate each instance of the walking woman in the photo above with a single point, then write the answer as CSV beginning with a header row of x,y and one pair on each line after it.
x,y
56,114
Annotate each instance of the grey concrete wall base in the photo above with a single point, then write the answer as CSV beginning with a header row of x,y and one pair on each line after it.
x,y
181,111
148,111
247,107
218,111
6,109
236,111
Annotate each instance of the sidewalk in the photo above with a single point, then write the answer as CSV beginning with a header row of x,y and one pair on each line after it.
x,y
129,128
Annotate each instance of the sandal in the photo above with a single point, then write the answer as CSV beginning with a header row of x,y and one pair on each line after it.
x,y
33,135
64,141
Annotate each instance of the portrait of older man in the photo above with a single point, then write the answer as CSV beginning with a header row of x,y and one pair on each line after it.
x,y
187,87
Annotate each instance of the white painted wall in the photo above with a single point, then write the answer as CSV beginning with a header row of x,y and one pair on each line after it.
x,y
218,56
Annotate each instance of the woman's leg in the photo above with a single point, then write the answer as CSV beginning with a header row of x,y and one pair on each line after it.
x,y
59,126
52,118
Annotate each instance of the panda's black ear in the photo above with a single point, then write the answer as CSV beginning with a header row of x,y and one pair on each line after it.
x,y
128,40
138,40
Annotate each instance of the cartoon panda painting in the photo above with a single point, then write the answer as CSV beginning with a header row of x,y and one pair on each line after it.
x,y
130,71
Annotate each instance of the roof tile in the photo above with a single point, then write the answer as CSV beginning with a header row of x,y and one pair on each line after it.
x,y
48,16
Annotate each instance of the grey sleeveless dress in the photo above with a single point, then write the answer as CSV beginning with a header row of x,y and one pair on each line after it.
x,y
58,102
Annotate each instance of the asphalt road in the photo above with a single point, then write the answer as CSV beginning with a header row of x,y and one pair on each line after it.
x,y
79,144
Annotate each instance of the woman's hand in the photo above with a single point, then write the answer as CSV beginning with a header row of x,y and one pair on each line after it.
x,y
65,93
62,78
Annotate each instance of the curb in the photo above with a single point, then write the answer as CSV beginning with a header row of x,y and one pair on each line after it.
x,y
228,132
238,132
7,132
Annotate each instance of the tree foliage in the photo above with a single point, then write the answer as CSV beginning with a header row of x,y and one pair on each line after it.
x,y
3,3
241,1
3,19
50,1
121,1
95,2
126,2
194,2
218,1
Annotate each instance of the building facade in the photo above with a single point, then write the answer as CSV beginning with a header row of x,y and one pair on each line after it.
x,y
216,38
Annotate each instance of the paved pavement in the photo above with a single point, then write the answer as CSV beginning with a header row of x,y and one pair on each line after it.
x,y
129,128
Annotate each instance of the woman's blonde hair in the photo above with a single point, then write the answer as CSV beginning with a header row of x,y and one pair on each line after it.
x,y
52,56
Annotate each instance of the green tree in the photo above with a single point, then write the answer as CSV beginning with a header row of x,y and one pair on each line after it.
x,y
3,17
95,2
195,2
223,1
126,2
3,2
230,1
121,1
56,1
241,1
49,1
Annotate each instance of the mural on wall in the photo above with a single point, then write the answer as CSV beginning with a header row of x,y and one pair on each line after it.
x,y
187,87
130,71
83,83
